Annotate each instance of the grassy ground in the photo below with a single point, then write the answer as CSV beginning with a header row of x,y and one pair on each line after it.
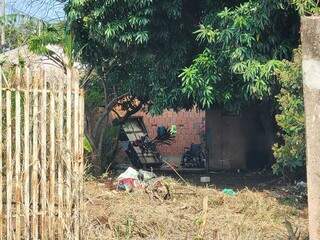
x,y
192,212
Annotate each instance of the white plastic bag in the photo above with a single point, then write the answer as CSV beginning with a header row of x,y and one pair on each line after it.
x,y
129,173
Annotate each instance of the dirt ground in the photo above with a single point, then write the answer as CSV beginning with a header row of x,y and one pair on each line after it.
x,y
261,209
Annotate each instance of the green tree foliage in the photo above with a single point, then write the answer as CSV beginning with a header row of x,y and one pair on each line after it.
x,y
307,7
54,34
138,47
146,44
19,29
136,50
242,44
178,53
290,152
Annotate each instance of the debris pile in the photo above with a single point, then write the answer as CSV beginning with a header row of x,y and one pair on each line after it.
x,y
154,186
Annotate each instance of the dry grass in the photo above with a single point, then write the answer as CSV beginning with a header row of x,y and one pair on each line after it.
x,y
250,215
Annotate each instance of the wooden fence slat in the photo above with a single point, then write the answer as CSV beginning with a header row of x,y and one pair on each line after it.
x,y
1,158
52,169
26,156
60,222
18,158
1,161
9,232
35,163
44,176
68,152
81,167
76,154
43,157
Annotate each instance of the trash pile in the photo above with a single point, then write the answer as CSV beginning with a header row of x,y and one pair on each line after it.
x,y
154,186
299,191
132,178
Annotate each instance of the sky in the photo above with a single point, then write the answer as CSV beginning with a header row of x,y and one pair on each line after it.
x,y
49,10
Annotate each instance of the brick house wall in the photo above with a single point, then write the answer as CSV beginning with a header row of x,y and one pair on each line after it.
x,y
190,128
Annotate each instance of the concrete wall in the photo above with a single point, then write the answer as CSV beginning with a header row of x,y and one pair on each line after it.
x,y
237,141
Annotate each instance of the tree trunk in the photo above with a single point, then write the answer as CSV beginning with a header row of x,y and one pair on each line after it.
x,y
95,163
96,140
310,35
97,125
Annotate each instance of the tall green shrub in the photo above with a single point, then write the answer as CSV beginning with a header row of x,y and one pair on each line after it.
x,y
290,150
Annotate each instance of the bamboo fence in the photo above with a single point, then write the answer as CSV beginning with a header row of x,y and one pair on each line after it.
x,y
41,156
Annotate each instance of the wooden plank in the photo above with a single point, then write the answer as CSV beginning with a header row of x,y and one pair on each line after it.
x,y
43,157
60,222
26,156
52,164
81,168
9,233
1,161
35,163
68,154
76,125
18,181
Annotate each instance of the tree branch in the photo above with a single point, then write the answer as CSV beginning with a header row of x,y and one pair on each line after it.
x,y
108,109
129,113
88,133
57,59
87,78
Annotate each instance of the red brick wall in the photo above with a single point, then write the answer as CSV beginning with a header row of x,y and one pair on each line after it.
x,y
190,127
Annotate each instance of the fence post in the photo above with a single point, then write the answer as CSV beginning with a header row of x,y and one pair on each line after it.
x,y
310,35
18,155
9,166
26,155
52,164
76,154
60,180
81,151
1,161
68,152
43,157
35,161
